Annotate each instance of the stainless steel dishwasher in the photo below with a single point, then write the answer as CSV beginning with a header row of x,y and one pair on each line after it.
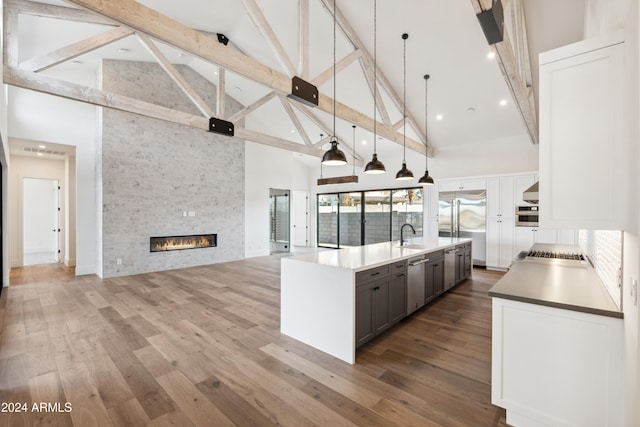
x,y
415,283
450,268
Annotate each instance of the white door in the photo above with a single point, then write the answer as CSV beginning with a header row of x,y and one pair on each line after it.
x,y
300,217
41,223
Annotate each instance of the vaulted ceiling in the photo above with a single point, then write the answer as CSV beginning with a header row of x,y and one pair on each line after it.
x,y
470,101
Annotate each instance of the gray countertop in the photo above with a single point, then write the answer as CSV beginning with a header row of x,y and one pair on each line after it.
x,y
566,287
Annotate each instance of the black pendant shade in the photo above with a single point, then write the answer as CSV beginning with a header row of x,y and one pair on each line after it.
x,y
404,173
426,179
375,166
334,156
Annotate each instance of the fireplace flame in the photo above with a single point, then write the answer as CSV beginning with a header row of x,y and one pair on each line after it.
x,y
182,243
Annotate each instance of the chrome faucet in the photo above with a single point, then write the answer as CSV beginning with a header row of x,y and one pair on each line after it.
x,y
402,241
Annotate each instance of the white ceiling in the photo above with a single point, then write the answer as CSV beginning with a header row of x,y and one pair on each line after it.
x,y
445,41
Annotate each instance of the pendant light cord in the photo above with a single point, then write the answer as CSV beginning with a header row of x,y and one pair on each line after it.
x,y
426,121
334,69
353,149
375,75
404,99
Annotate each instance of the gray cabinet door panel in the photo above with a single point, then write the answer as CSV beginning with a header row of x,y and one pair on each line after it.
x,y
398,297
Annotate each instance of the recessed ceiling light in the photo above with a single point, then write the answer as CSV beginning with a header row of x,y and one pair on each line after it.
x,y
75,61
124,50
42,146
439,117
364,142
503,102
471,110
180,54
215,72
238,88
293,131
491,55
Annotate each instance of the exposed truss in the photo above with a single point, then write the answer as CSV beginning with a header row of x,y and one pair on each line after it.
x,y
512,54
129,17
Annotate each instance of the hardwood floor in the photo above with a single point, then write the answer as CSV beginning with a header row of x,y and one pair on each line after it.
x,y
202,346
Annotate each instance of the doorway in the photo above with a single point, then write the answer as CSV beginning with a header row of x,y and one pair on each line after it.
x,y
279,220
41,221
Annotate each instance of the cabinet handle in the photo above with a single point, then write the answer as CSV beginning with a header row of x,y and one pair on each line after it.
x,y
375,274
376,288
401,274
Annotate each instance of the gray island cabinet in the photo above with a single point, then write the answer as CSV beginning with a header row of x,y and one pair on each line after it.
x,y
337,300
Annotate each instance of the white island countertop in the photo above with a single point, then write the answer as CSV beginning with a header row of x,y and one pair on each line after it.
x,y
318,290
360,258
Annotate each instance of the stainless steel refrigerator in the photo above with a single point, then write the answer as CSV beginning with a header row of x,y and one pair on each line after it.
x,y
464,214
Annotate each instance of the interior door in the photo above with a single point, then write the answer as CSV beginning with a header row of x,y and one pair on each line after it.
x,y
41,221
300,218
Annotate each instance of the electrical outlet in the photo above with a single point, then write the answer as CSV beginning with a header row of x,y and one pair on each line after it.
x,y
119,261
192,213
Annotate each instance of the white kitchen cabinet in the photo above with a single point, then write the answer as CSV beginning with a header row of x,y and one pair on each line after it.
x,y
500,197
500,250
525,237
584,161
556,367
431,196
567,236
462,184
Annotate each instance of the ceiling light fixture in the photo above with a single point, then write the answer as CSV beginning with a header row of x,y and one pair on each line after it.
x,y
491,55
42,146
404,173
503,102
426,179
439,116
334,156
375,166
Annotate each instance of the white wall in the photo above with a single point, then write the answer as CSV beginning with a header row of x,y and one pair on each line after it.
x,y
265,168
47,118
70,208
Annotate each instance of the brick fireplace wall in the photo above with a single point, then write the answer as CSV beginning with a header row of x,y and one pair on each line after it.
x,y
152,171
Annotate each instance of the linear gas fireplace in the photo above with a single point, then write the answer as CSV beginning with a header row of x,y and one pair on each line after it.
x,y
179,243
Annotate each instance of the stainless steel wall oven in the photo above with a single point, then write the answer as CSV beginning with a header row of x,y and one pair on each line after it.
x,y
527,216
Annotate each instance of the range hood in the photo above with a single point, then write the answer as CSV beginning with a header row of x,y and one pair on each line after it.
x,y
530,195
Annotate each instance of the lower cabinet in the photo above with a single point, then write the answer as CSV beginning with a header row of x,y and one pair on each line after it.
x,y
463,263
381,300
434,280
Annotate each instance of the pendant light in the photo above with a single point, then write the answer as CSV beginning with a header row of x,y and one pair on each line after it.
x,y
375,166
426,179
404,173
334,156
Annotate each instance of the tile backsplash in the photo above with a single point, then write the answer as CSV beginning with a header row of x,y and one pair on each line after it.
x,y
604,248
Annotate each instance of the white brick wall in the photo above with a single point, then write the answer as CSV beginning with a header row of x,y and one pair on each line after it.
x,y
153,170
604,248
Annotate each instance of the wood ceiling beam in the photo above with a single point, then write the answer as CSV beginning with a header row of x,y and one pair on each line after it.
x,y
10,39
308,112
512,54
327,74
221,94
295,120
303,40
141,18
74,50
252,107
263,26
57,12
48,85
175,75
382,110
350,33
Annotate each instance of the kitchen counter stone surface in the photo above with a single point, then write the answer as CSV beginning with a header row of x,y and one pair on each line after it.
x,y
566,287
360,258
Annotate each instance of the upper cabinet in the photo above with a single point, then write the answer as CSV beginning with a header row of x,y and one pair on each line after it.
x,y
462,184
583,170
500,197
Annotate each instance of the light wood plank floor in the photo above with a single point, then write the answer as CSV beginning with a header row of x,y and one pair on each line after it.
x,y
201,346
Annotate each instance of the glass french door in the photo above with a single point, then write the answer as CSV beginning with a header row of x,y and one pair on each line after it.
x,y
328,220
350,219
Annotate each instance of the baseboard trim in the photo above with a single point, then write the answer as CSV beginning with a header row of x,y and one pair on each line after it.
x,y
85,269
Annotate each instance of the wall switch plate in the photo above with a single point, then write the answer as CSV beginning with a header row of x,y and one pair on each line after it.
x,y
634,292
184,213
119,261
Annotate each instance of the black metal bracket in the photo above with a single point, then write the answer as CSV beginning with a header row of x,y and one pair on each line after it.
x,y
492,22
222,127
222,39
304,92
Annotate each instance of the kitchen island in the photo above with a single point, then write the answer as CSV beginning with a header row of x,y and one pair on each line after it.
x,y
318,290
556,345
